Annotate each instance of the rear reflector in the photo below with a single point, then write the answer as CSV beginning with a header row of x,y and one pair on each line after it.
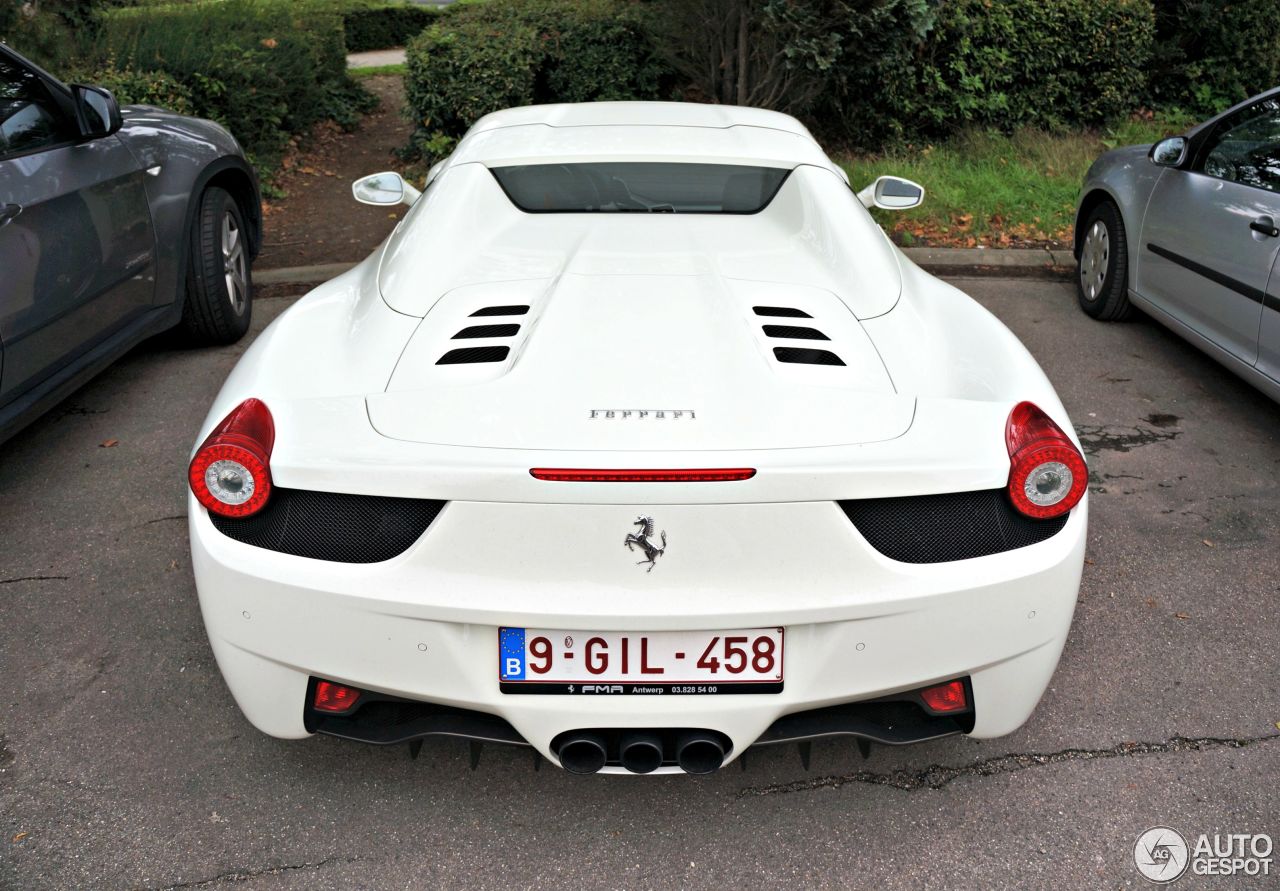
x,y
699,475
946,697
331,697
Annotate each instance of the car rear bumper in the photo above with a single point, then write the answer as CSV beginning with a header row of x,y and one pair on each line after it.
x,y
423,626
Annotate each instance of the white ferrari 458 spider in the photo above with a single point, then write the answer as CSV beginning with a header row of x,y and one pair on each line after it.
x,y
638,443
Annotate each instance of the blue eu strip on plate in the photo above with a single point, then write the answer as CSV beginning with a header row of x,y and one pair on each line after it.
x,y
511,654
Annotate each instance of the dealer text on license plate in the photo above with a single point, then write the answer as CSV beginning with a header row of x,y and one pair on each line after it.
x,y
534,660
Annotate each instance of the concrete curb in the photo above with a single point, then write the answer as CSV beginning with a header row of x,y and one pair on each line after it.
x,y
300,275
376,58
1003,262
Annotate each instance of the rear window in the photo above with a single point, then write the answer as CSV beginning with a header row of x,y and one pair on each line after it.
x,y
640,187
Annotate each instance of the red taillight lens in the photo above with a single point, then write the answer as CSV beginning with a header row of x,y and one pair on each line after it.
x,y
231,471
331,697
690,475
1047,474
946,697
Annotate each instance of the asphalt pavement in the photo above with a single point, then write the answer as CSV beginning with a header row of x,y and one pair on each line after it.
x,y
124,762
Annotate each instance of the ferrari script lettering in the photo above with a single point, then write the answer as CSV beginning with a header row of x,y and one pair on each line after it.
x,y
642,414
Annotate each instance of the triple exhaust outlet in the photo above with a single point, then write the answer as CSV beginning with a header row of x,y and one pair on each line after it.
x,y
642,751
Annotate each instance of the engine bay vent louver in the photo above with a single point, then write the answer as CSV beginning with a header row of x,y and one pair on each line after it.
x,y
487,331
501,311
474,355
951,526
333,526
794,332
801,356
781,312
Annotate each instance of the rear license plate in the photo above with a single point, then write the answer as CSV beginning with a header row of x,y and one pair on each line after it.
x,y
640,663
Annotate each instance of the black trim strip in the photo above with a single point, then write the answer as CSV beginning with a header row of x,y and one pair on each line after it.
x,y
475,331
1255,294
795,332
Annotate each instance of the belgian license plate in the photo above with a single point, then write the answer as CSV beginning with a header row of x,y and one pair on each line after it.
x,y
535,660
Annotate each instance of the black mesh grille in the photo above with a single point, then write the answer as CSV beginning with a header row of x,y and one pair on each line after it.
x,y
487,331
807,357
940,528
332,526
471,355
781,311
794,331
501,311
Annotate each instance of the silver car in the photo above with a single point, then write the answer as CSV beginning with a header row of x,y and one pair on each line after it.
x,y
115,224
1188,230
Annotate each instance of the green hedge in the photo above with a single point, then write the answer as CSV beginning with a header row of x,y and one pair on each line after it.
x,y
1006,63
480,58
382,27
133,87
263,68
1211,54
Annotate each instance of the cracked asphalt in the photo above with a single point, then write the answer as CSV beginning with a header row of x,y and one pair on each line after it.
x,y
125,764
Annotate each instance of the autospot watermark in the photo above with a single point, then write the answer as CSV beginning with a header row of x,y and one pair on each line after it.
x,y
1163,855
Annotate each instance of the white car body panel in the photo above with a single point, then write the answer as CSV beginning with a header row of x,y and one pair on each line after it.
x,y
631,313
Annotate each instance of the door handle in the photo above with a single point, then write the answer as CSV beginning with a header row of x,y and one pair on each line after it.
x,y
8,212
1266,226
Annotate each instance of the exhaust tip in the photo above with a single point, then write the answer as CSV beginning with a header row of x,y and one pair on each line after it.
x,y
641,752
700,754
583,753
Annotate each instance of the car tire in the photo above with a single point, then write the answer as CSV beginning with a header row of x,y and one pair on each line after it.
x,y
219,301
1102,270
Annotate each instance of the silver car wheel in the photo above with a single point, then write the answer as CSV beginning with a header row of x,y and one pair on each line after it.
x,y
1094,257
234,263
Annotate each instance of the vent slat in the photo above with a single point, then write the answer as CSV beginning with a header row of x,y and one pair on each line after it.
x,y
802,356
513,310
474,355
487,331
781,312
795,332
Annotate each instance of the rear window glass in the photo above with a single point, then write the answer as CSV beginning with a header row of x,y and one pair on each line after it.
x,y
640,187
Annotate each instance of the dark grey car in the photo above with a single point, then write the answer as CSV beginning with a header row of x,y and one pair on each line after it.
x,y
115,224
1188,230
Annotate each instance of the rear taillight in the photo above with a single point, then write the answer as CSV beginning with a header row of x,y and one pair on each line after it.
x,y
1047,473
949,697
331,697
231,471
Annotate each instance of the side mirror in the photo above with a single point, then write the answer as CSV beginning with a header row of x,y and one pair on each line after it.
x,y
384,189
1169,152
892,193
97,110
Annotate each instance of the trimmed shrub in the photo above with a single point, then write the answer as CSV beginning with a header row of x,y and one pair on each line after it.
x,y
1211,54
1048,63
480,58
381,27
264,69
131,87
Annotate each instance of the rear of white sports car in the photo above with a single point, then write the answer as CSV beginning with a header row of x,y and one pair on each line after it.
x,y
638,489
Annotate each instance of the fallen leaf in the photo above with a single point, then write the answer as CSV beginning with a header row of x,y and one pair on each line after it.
x,y
1182,615
21,835
1151,602
1088,561
108,443
1209,544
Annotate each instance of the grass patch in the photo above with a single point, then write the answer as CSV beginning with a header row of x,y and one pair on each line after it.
x,y
378,70
1002,190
